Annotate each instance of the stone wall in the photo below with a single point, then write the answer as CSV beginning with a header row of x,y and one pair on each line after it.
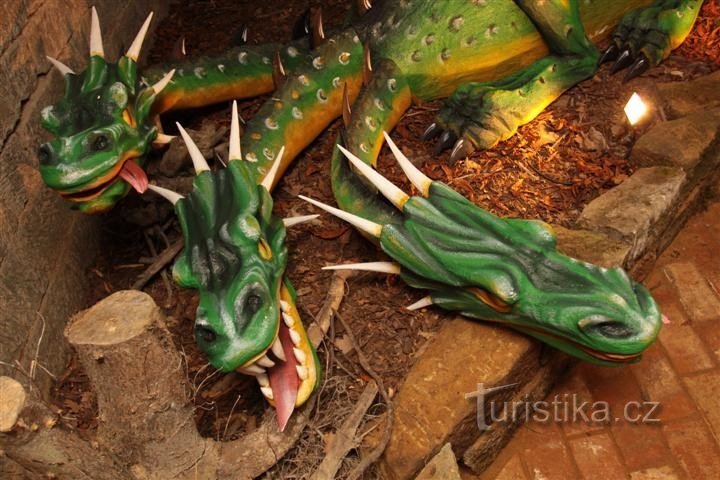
x,y
45,247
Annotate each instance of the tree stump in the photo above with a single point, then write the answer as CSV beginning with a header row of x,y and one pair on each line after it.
x,y
145,416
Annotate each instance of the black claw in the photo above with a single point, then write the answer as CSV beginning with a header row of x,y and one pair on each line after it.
x,y
432,131
623,61
302,26
463,148
637,68
611,53
447,140
241,36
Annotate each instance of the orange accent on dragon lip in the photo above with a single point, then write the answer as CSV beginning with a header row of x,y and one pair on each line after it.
x,y
96,188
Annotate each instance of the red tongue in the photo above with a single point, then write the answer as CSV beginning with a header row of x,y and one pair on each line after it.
x,y
284,380
135,176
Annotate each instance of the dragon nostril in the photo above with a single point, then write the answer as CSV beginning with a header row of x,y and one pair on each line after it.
x,y
45,155
206,334
612,329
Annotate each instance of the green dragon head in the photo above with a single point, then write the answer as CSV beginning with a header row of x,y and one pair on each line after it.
x,y
235,256
507,271
101,127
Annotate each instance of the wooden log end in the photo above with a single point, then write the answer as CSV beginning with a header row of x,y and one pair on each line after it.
x,y
13,401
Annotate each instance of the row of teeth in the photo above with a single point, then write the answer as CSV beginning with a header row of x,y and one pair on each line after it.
x,y
258,368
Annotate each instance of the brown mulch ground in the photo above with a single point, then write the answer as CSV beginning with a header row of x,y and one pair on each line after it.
x,y
570,154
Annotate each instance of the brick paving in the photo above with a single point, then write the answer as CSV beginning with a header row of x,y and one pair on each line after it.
x,y
681,371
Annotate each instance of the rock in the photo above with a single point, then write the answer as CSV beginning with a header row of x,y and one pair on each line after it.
x,y
13,401
682,98
593,247
632,211
442,467
431,408
683,142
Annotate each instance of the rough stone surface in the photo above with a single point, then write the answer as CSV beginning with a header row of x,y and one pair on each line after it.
x,y
632,210
683,143
681,98
431,408
593,247
44,246
442,467
13,400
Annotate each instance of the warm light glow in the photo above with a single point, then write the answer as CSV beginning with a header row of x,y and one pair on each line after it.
x,y
635,109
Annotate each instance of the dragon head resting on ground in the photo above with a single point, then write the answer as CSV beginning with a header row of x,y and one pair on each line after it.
x,y
505,270
102,128
235,256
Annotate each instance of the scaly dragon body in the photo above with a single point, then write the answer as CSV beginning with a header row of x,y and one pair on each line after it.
x,y
499,62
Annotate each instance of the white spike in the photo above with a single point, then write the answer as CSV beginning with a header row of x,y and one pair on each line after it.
x,y
163,139
267,392
96,46
285,306
163,82
302,372
415,176
134,51
182,47
197,158
270,177
234,153
169,195
277,349
382,267
367,226
386,187
295,337
62,68
292,221
289,320
423,302
264,361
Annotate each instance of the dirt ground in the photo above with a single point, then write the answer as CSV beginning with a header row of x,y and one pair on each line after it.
x,y
570,154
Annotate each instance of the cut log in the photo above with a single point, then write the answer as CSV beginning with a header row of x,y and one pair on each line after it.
x,y
145,415
13,400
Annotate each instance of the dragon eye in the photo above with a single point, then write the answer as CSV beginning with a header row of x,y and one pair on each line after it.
x,y
207,335
100,143
613,329
252,304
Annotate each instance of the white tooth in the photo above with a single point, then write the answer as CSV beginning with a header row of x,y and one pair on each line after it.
x,y
301,371
235,153
285,306
423,302
163,139
386,187
169,195
264,361
197,158
269,179
382,267
291,221
267,392
415,176
277,349
367,226
299,355
289,320
295,337
64,69
263,380
252,370
96,46
134,51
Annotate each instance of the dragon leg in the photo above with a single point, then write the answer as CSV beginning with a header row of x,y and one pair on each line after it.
x,y
647,35
378,108
480,114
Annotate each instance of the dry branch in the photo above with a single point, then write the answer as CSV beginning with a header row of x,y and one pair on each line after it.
x,y
158,264
345,439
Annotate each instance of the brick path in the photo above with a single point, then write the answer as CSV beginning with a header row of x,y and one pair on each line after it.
x,y
681,371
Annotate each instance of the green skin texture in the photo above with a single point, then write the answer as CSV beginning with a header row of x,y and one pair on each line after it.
x,y
421,50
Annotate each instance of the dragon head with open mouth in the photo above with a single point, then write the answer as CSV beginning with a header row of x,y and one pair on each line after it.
x,y
235,256
504,270
102,128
